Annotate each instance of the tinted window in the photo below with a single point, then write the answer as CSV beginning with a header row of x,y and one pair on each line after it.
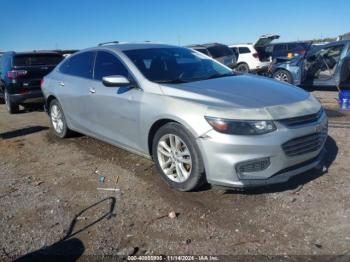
x,y
79,65
37,59
220,51
175,65
243,50
277,48
107,65
297,46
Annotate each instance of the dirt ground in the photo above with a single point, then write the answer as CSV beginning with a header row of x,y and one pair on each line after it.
x,y
50,204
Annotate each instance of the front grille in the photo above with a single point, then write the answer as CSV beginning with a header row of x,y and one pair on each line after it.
x,y
302,120
304,144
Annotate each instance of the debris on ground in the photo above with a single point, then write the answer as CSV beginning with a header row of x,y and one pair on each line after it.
x,y
38,183
101,179
108,189
172,215
127,251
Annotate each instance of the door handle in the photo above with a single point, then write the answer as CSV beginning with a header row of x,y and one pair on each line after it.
x,y
92,91
61,83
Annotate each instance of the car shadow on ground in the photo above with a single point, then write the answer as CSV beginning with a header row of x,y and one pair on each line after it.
x,y
299,180
31,108
69,248
22,132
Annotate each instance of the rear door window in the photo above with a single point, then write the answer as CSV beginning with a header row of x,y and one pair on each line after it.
x,y
243,50
108,64
37,59
79,65
220,51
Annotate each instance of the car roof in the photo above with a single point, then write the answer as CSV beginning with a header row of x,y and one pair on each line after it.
x,y
205,45
133,46
344,42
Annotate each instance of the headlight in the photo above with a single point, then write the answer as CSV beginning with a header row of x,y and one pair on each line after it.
x,y
241,127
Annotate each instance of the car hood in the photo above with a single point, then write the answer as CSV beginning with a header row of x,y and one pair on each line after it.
x,y
246,97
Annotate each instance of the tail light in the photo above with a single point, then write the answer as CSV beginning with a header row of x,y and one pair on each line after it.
x,y
42,81
256,55
13,74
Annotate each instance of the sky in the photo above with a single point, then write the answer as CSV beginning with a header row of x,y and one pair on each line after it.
x,y
78,24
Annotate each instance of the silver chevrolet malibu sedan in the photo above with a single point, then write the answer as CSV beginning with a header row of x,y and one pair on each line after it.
x,y
197,120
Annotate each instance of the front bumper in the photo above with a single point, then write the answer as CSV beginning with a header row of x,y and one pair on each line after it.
x,y
222,153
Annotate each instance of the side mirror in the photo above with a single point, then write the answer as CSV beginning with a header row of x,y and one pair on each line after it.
x,y
115,81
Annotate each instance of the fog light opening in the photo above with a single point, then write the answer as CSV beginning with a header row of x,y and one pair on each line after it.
x,y
252,166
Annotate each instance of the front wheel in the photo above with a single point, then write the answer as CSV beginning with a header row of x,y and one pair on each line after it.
x,y
177,157
283,76
58,120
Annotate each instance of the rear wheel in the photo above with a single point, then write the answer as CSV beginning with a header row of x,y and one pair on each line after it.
x,y
177,157
58,120
242,68
11,107
283,76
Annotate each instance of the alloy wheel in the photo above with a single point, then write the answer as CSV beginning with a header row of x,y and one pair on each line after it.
x,y
57,119
174,158
281,76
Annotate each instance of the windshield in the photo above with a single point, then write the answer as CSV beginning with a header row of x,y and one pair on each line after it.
x,y
176,65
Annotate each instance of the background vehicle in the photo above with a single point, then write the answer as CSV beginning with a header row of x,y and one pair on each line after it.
x,y
248,59
252,57
188,112
219,52
326,65
21,74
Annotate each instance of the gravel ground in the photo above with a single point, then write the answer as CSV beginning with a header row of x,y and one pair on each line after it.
x,y
50,204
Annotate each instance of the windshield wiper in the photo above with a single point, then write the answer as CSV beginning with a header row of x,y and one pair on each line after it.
x,y
170,81
220,75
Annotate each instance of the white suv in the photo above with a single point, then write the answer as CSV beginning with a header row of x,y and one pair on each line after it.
x,y
252,57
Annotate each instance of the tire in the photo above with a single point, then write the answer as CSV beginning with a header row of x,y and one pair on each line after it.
x,y
242,68
283,76
11,107
58,120
192,174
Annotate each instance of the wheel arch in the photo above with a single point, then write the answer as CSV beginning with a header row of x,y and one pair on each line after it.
x,y
285,70
161,122
153,130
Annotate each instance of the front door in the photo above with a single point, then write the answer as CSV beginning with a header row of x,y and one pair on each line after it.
x,y
322,65
116,110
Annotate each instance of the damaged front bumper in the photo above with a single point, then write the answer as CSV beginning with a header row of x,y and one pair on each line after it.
x,y
250,161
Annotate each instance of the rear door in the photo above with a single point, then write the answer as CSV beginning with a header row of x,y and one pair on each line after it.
x,y
73,88
35,66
